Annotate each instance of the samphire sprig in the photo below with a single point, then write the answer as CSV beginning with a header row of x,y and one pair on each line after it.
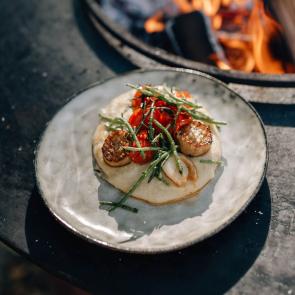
x,y
201,116
181,103
172,145
123,123
123,206
154,92
151,129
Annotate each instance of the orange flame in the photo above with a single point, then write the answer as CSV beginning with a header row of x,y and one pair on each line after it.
x,y
210,7
239,56
263,28
155,23
248,48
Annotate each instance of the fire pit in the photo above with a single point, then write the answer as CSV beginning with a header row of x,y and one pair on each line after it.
x,y
234,40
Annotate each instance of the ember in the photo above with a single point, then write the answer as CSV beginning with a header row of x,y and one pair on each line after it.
x,y
244,28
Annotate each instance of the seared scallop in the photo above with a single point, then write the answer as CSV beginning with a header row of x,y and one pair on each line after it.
x,y
194,139
113,148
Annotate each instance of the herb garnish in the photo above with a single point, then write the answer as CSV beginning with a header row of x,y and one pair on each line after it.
x,y
123,206
161,140
184,105
173,146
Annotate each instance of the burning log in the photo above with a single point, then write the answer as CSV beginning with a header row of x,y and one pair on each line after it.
x,y
191,36
231,34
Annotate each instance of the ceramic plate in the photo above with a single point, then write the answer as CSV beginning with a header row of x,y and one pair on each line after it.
x,y
71,189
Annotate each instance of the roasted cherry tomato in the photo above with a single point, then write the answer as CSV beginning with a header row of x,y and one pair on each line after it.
x,y
173,109
136,103
163,117
149,100
137,100
164,113
136,118
182,120
136,156
160,103
137,94
143,134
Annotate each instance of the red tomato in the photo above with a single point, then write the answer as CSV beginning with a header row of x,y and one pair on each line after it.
x,y
149,100
136,103
160,115
136,118
182,120
143,134
137,94
137,100
160,103
163,117
136,156
173,108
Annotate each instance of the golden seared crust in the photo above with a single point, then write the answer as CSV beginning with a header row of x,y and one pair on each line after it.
x,y
194,139
113,148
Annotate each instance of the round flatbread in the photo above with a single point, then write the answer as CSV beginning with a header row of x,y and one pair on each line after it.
x,y
155,192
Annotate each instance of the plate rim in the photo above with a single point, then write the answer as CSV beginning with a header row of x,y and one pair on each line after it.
x,y
158,250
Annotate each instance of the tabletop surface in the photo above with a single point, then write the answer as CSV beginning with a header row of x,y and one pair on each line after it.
x,y
48,51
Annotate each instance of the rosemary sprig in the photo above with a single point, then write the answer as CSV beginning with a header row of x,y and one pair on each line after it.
x,y
208,161
123,206
125,123
143,175
172,145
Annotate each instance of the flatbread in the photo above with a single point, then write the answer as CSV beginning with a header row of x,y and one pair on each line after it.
x,y
155,192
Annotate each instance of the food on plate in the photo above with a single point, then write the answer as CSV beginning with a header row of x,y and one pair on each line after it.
x,y
113,148
194,139
156,144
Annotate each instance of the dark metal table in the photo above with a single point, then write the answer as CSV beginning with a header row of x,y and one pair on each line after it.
x,y
48,50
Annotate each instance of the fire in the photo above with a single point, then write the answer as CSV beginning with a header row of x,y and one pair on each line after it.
x,y
243,28
210,7
155,23
263,28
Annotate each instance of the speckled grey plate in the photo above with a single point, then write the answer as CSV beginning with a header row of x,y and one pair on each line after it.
x,y
71,190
